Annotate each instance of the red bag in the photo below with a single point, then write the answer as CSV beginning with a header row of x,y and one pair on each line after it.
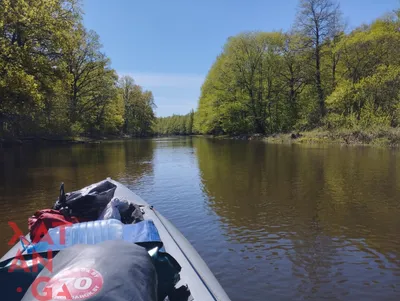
x,y
45,219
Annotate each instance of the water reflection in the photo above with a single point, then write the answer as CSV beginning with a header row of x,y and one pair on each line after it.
x,y
323,216
273,222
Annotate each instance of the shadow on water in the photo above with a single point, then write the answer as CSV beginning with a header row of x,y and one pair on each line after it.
x,y
323,221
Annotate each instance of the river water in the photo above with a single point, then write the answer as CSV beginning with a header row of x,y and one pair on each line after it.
x,y
273,222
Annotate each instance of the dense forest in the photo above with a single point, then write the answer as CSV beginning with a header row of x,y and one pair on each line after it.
x,y
174,125
317,75
55,80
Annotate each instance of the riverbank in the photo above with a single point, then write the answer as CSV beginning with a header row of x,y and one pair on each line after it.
x,y
15,141
378,137
388,137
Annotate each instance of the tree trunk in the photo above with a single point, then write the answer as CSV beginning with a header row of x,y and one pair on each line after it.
x,y
318,80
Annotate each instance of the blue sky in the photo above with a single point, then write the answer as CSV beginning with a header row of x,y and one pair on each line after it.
x,y
168,46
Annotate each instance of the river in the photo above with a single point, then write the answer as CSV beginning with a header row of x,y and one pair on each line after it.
x,y
273,222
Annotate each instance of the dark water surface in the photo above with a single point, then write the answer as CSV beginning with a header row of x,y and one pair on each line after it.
x,y
273,222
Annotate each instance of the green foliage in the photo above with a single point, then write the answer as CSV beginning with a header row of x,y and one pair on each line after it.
x,y
254,86
374,100
207,117
175,125
32,34
269,82
250,85
54,79
138,108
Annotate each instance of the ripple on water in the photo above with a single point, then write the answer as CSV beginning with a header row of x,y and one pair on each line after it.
x,y
273,222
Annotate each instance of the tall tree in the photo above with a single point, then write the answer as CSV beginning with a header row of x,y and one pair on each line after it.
x,y
127,85
90,76
293,72
318,21
32,39
139,107
246,61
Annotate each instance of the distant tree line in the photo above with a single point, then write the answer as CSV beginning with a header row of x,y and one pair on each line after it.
x,y
174,125
315,75
54,79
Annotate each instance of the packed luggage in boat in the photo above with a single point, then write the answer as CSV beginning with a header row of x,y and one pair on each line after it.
x,y
103,242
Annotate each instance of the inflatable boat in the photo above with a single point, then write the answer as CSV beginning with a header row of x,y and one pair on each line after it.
x,y
107,238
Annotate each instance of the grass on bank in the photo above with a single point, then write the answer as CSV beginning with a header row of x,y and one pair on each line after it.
x,y
372,136
378,136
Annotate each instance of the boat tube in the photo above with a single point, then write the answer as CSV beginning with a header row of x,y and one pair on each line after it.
x,y
194,274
